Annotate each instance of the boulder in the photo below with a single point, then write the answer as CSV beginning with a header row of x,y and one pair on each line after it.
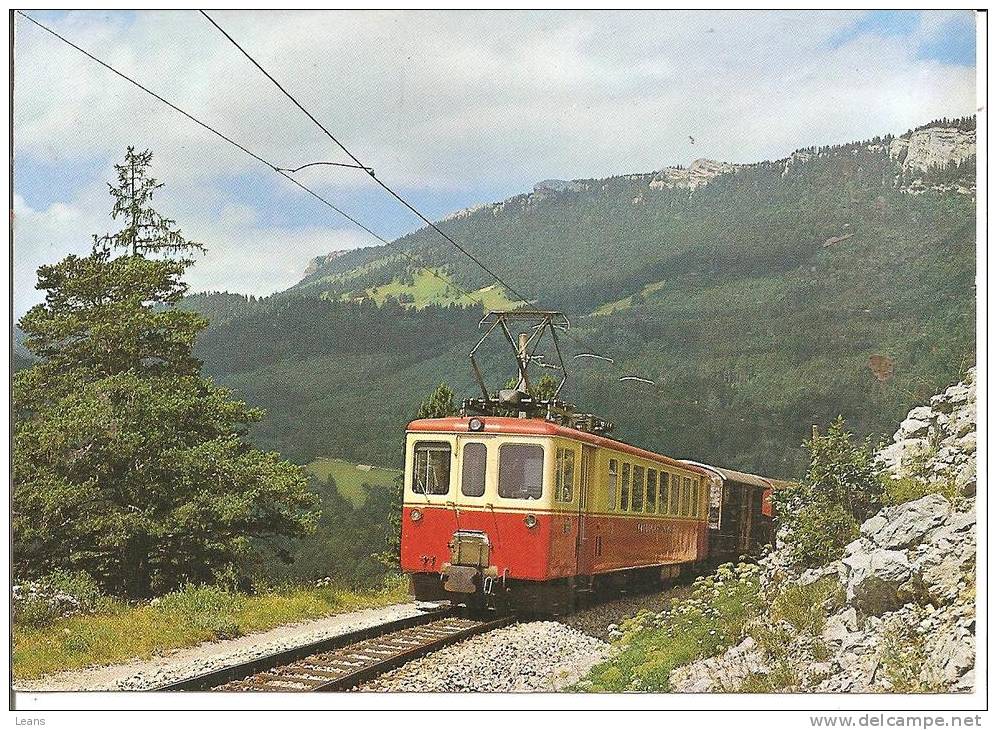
x,y
916,425
842,629
967,444
965,478
896,455
875,578
958,394
950,654
903,525
950,553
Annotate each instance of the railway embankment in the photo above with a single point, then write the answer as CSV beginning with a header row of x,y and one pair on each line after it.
x,y
893,611
183,663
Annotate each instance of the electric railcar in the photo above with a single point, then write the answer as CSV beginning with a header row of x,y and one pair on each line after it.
x,y
532,514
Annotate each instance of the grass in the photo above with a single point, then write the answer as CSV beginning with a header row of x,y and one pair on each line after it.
x,y
806,607
434,287
350,477
797,616
625,303
903,657
121,632
493,298
704,625
907,489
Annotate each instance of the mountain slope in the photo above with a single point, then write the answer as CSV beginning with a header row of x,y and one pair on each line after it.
x,y
760,298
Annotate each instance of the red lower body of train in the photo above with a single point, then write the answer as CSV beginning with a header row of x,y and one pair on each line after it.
x,y
533,515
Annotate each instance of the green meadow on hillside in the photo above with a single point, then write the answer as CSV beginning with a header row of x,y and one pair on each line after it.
x,y
350,477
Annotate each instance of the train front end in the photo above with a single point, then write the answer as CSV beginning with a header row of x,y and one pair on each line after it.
x,y
479,522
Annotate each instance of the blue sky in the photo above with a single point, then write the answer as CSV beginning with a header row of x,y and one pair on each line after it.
x,y
453,108
955,43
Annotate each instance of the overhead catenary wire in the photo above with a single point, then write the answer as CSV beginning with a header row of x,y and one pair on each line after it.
x,y
370,171
365,167
283,172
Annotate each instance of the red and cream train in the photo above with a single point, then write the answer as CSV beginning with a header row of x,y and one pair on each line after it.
x,y
531,514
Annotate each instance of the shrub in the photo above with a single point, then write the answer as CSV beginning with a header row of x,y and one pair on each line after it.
x,y
818,534
57,595
821,513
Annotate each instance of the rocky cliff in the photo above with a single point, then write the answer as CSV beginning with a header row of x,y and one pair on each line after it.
x,y
934,147
897,612
699,173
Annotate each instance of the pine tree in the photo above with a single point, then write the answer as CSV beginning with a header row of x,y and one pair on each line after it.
x,y
146,231
439,404
128,464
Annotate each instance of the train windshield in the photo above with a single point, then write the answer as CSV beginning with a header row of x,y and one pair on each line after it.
x,y
521,469
431,467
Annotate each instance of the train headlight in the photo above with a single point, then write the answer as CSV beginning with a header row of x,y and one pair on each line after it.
x,y
476,424
531,521
416,515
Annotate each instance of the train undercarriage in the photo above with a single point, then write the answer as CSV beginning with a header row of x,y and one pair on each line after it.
x,y
557,597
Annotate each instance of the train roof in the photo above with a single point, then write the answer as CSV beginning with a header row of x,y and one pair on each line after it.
x,y
741,477
540,427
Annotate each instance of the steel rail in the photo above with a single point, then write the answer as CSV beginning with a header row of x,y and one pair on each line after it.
x,y
342,662
216,677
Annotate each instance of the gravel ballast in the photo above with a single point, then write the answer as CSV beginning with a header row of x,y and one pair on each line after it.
x,y
536,656
532,656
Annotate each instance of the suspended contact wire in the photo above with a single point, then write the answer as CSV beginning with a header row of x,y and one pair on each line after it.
x,y
283,172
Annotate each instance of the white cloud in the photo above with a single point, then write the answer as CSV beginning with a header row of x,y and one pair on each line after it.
x,y
242,255
451,100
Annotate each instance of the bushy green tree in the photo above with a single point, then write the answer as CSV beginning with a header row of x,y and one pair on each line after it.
x,y
439,404
821,513
127,463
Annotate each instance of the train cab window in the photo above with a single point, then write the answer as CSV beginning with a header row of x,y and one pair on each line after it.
x,y
638,489
564,488
431,467
673,503
663,493
625,488
695,497
521,470
472,475
686,496
652,491
613,482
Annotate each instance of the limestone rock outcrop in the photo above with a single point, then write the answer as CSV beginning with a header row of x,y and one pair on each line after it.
x,y
902,613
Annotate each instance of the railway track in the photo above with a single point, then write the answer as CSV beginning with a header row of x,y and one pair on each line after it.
x,y
342,662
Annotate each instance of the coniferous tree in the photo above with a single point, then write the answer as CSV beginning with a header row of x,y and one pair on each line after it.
x,y
439,404
145,231
128,464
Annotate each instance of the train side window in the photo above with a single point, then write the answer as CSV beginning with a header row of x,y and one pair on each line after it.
x,y
521,470
652,490
663,493
614,478
638,489
625,488
695,497
673,503
431,467
472,474
564,488
686,496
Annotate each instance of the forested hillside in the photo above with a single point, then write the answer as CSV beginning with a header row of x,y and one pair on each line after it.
x,y
761,299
